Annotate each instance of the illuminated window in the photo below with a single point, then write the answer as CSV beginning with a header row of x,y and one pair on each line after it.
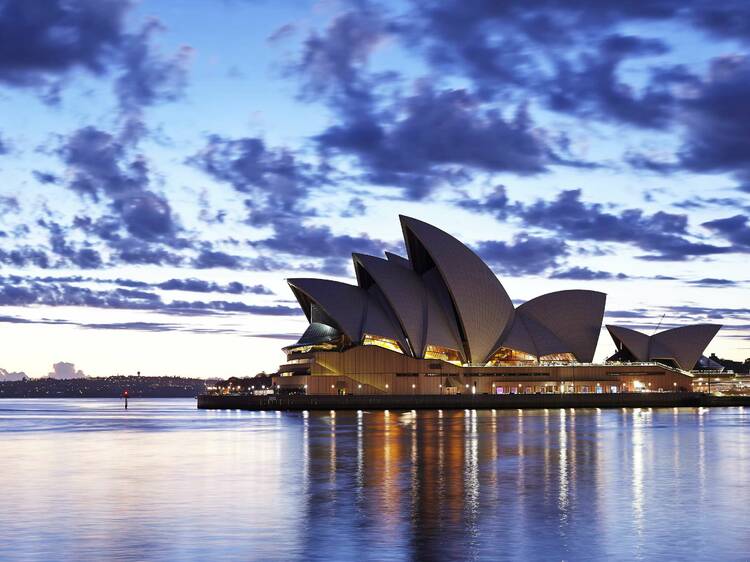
x,y
381,341
558,358
443,353
508,356
327,346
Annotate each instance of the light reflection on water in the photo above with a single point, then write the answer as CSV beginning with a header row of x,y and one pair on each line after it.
x,y
85,480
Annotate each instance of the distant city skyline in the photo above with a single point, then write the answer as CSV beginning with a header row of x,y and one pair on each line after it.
x,y
166,167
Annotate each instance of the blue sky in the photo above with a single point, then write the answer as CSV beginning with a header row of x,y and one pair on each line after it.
x,y
165,166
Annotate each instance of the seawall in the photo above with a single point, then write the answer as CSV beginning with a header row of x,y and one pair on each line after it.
x,y
468,401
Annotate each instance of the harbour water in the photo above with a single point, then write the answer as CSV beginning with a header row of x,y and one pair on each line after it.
x,y
87,480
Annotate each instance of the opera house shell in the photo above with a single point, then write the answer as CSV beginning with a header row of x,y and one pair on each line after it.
x,y
444,302
681,346
442,310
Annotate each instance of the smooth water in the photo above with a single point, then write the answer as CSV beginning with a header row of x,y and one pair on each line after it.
x,y
86,480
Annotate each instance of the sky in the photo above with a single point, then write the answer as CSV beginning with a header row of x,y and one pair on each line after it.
x,y
165,166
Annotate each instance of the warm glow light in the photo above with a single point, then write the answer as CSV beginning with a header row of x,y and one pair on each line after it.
x,y
380,341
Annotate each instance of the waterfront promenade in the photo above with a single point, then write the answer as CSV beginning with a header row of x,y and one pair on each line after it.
x,y
468,401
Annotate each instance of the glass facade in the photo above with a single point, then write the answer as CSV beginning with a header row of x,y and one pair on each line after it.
x,y
380,341
443,353
558,358
508,356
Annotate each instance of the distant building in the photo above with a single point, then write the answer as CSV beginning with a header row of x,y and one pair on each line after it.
x,y
440,321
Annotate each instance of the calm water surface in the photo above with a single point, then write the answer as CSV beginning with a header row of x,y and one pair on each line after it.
x,y
85,480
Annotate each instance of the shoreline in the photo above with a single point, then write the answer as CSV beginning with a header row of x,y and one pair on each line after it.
x,y
463,402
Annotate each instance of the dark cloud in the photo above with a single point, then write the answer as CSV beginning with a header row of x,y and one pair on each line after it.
x,y
585,274
714,118
37,292
275,179
25,256
332,250
718,119
663,234
135,252
496,203
99,165
9,205
83,258
45,178
524,255
41,40
420,140
146,216
735,229
207,259
276,336
133,326
702,313
355,208
591,87
432,135
200,286
705,202
713,282
149,78
332,64
190,284
103,166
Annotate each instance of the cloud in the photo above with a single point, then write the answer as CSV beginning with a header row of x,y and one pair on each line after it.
x,y
83,258
45,178
585,274
524,255
432,135
64,370
321,243
15,291
276,181
591,87
713,282
4,146
25,256
103,167
663,234
496,203
717,117
42,43
200,286
736,229
149,78
416,141
207,259
7,376
332,64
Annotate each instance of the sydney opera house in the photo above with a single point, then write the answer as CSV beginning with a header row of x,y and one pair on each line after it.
x,y
440,322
